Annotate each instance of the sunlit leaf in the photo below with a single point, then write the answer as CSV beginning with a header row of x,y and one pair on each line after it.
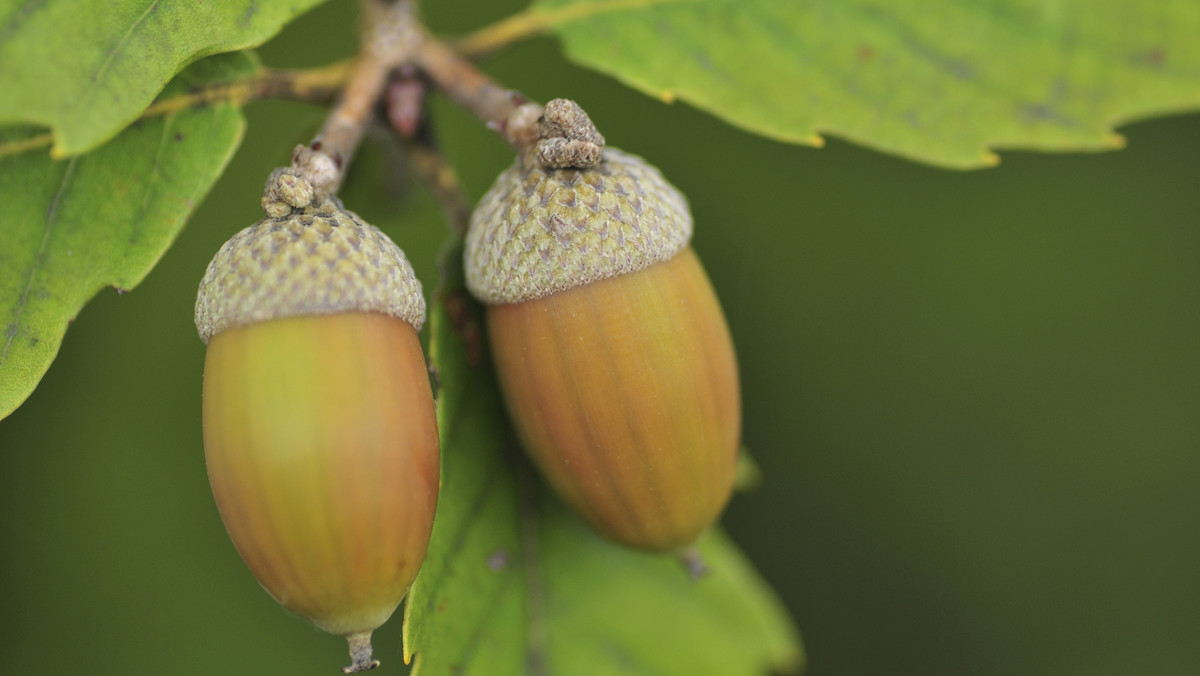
x,y
75,226
941,82
87,69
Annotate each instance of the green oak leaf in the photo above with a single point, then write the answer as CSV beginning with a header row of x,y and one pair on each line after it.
x,y
74,226
941,82
87,69
515,584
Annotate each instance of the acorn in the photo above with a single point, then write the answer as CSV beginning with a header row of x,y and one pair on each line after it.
x,y
612,352
319,428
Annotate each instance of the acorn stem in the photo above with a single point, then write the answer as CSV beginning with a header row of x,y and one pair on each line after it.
x,y
394,39
390,36
561,131
360,653
505,111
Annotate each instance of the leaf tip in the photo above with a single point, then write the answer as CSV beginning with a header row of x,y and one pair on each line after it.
x,y
666,96
816,141
990,159
1117,141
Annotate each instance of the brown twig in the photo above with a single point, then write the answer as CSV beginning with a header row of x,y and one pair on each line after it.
x,y
509,113
560,131
390,36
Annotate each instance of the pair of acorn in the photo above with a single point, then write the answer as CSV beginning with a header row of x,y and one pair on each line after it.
x,y
611,349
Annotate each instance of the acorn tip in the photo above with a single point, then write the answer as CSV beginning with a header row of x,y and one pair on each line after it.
x,y
360,653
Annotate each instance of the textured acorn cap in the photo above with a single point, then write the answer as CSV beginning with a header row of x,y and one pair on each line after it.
x,y
539,230
311,260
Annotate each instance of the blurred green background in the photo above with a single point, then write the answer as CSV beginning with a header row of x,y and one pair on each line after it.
x,y
975,398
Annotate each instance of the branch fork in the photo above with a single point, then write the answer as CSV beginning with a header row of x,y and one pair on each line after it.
x,y
398,60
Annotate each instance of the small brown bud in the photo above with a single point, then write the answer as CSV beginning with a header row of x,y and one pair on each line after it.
x,y
567,137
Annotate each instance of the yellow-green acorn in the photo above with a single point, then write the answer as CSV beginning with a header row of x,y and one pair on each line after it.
x,y
611,348
319,428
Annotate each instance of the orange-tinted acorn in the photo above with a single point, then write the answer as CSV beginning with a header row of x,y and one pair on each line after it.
x,y
611,348
319,428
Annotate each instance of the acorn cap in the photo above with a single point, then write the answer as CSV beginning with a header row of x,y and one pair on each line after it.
x,y
309,257
540,230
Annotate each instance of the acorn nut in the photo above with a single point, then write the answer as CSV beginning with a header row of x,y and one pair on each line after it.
x,y
319,428
612,351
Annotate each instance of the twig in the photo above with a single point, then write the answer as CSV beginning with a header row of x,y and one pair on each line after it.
x,y
507,112
560,131
316,85
319,85
26,144
390,36
522,25
533,22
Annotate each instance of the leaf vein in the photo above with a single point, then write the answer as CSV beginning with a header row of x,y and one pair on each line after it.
x,y
477,632
151,183
23,299
112,53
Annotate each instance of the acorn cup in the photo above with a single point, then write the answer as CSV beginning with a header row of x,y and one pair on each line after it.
x,y
613,354
319,428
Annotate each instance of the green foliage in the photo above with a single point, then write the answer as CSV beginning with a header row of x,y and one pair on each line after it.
x,y
75,226
987,405
939,82
515,584
87,69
